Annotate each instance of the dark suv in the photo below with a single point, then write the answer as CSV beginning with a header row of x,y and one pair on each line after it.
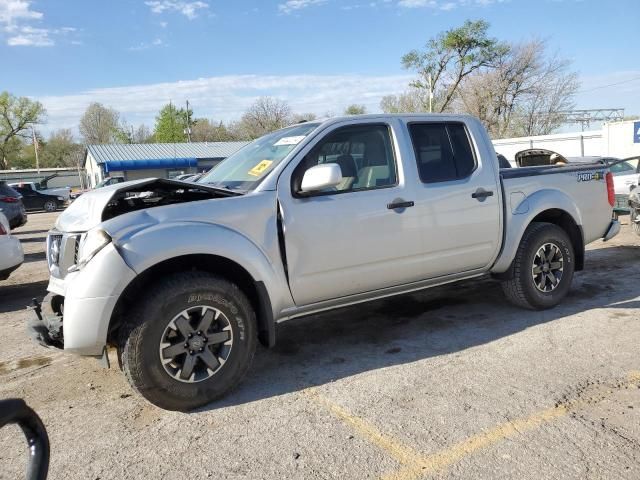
x,y
12,206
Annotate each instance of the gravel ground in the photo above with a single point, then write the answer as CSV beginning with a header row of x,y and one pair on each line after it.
x,y
449,383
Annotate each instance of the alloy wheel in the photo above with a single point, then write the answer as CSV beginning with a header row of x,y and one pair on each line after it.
x,y
196,344
547,268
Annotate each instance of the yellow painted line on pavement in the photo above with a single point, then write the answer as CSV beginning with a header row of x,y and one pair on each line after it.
x,y
417,465
399,452
439,461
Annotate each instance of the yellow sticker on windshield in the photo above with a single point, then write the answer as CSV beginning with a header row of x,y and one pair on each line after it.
x,y
260,168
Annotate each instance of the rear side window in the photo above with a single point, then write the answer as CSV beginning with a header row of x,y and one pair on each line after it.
x,y
443,151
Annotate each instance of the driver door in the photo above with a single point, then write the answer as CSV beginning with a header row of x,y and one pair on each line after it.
x,y
349,239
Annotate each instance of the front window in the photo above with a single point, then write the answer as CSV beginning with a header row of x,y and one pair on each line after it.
x,y
245,169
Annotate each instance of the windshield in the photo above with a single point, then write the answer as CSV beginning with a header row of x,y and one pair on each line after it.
x,y
245,169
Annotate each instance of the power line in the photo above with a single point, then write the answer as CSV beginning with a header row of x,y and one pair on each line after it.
x,y
610,85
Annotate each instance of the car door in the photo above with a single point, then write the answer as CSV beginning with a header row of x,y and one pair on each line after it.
x,y
357,237
457,199
30,199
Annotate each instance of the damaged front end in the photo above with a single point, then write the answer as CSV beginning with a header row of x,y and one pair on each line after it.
x,y
46,328
158,193
96,206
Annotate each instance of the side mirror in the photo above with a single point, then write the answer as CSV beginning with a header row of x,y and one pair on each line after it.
x,y
322,176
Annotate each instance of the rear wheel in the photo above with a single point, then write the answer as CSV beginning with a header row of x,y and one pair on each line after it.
x,y
189,341
542,269
50,206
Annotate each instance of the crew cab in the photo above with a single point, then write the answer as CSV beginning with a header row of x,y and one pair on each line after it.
x,y
184,279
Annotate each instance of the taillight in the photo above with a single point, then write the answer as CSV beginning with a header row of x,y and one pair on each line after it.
x,y
2,230
9,199
611,192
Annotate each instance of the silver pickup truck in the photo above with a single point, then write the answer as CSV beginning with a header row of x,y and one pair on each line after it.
x,y
184,279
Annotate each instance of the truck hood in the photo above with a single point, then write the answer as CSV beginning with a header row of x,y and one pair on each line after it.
x,y
96,206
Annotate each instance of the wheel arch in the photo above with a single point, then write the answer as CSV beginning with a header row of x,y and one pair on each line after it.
x,y
565,221
549,206
255,290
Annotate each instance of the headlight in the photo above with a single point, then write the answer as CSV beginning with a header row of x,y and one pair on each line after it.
x,y
90,244
61,199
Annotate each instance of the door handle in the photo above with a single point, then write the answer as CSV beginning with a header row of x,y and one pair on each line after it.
x,y
396,204
481,194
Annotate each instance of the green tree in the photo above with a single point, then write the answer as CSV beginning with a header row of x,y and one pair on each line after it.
x,y
17,116
355,109
60,150
450,57
171,124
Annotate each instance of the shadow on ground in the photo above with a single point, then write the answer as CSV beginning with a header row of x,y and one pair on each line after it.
x,y
323,348
34,257
18,297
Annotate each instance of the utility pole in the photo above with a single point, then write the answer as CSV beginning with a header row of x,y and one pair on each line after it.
x,y
188,129
35,147
430,94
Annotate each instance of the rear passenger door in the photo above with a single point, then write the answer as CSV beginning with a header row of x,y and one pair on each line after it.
x,y
456,199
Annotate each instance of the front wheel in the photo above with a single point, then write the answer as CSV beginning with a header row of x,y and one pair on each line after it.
x,y
189,341
50,206
542,268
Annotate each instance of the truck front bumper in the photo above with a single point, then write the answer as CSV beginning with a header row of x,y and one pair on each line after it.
x,y
612,231
88,298
46,326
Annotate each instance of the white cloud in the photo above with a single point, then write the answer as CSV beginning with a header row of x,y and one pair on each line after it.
x,y
291,6
188,9
227,97
446,5
14,11
16,23
157,42
30,37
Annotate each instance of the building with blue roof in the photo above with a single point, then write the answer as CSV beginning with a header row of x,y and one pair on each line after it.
x,y
161,160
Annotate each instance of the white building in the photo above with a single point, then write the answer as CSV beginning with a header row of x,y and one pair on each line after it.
x,y
162,160
617,139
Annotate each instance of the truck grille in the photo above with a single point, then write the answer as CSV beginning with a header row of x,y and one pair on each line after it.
x,y
62,252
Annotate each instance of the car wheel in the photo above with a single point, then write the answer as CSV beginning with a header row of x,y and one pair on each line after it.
x,y
189,341
50,206
542,269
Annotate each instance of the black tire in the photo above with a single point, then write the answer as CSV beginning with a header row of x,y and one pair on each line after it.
x,y
524,289
141,340
50,206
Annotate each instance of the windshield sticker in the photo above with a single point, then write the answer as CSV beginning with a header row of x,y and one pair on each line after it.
x,y
260,168
289,141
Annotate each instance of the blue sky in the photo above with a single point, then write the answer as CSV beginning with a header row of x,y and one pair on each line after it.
x,y
320,55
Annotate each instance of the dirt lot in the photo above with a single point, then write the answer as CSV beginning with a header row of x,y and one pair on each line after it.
x,y
451,383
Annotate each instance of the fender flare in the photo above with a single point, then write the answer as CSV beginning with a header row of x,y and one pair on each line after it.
x,y
522,214
147,248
